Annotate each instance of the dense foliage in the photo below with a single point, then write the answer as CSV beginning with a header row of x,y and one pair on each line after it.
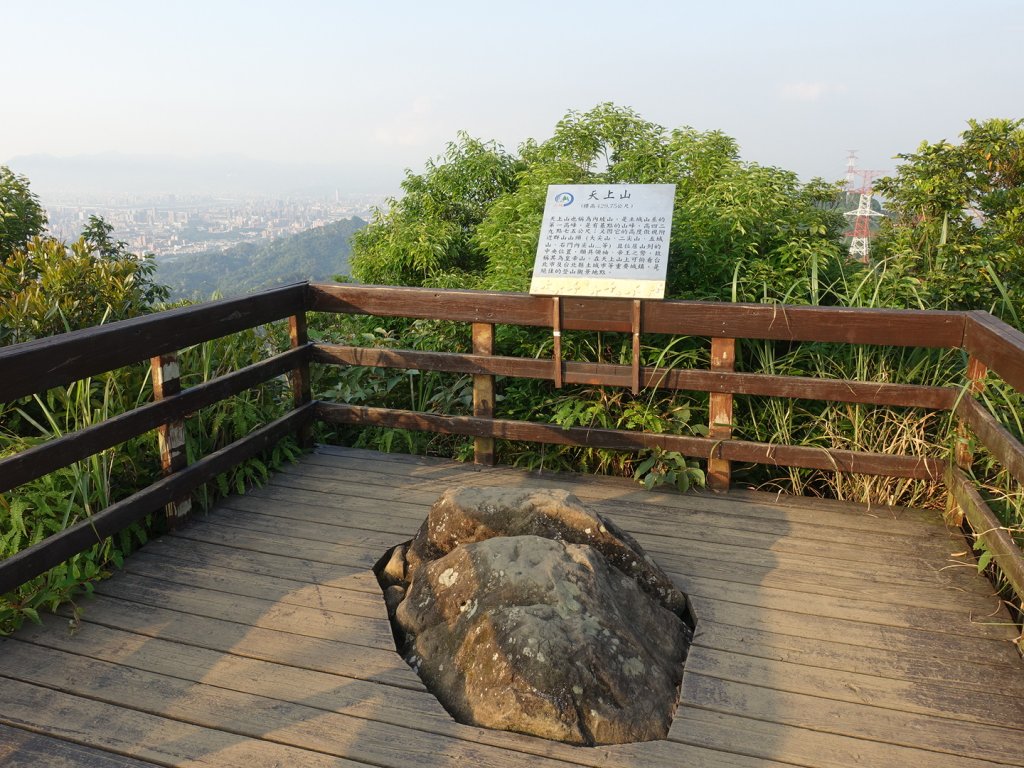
x,y
472,218
21,215
426,236
320,253
49,287
958,220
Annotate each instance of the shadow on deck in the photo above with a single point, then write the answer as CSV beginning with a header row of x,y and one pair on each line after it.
x,y
829,635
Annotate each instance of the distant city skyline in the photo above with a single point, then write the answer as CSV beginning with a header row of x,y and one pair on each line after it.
x,y
177,225
346,94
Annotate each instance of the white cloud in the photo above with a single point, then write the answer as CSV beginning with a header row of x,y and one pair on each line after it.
x,y
809,91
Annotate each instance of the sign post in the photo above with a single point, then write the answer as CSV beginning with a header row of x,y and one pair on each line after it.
x,y
604,240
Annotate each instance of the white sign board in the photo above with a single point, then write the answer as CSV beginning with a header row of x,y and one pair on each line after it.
x,y
604,240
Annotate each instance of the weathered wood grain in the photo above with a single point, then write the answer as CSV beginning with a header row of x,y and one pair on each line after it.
x,y
803,746
317,722
165,373
687,540
721,562
746,502
999,346
723,359
299,377
905,664
337,657
412,496
267,612
24,749
395,706
941,699
993,435
835,630
943,736
162,740
483,392
1006,555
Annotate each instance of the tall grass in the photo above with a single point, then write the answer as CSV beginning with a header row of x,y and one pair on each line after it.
x,y
56,501
1003,493
848,426
226,421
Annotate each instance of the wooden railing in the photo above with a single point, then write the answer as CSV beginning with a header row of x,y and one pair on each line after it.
x,y
33,367
36,366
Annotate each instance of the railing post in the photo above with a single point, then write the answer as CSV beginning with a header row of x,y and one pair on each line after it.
x,y
635,323
166,373
975,376
723,358
962,453
299,377
483,393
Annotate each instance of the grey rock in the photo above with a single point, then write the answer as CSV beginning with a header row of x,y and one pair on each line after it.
x,y
393,596
523,610
464,515
544,637
394,569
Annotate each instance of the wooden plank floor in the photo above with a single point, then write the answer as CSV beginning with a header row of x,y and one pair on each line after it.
x,y
828,635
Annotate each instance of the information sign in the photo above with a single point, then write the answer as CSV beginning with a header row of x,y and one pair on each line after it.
x,y
604,240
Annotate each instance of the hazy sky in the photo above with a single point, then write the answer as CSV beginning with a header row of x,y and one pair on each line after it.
x,y
378,87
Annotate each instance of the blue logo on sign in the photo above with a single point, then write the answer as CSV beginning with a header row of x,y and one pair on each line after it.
x,y
564,199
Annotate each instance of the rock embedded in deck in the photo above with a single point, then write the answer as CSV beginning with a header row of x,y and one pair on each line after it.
x,y
535,633
464,515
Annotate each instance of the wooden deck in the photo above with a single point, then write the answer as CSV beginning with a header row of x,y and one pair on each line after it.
x,y
828,635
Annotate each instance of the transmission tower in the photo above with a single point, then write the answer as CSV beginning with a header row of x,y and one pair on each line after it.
x,y
858,182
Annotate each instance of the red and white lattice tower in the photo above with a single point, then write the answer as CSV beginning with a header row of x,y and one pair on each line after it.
x,y
858,182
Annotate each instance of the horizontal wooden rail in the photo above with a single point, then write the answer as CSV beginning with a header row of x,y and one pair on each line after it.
x,y
60,452
999,346
1007,449
35,366
1006,555
29,563
604,374
697,447
895,327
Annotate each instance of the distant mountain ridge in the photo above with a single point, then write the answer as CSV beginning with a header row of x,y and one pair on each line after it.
x,y
316,254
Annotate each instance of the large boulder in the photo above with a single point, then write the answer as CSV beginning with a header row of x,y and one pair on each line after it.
x,y
514,624
464,515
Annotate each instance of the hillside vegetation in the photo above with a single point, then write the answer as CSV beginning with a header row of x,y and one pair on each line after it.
x,y
316,254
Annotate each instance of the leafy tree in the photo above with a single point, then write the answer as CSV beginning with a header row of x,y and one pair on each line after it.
x,y
21,215
475,214
427,234
958,226
48,287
